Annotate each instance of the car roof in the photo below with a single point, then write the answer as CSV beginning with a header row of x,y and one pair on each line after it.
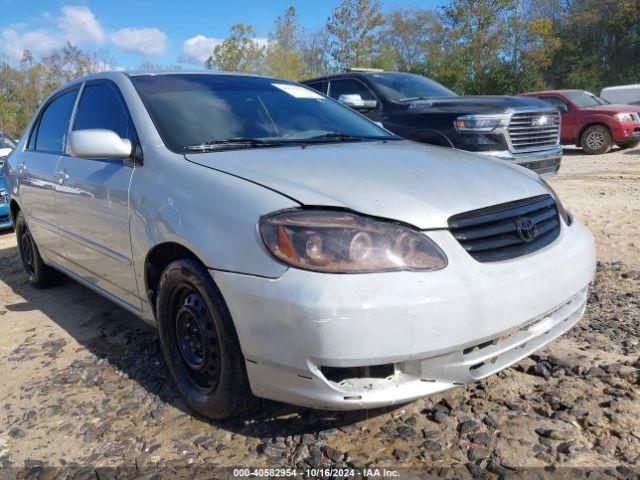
x,y
633,86
354,73
562,91
114,74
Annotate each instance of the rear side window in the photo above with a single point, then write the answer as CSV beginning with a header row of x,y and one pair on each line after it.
x,y
51,132
101,107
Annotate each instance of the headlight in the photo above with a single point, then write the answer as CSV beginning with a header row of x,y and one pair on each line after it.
x,y
343,242
565,214
624,117
481,123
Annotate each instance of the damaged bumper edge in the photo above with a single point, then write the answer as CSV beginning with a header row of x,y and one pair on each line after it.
x,y
366,341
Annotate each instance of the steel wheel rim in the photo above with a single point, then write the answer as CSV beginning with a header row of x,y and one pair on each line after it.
x,y
595,140
194,341
27,251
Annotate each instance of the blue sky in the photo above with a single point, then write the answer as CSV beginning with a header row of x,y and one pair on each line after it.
x,y
163,32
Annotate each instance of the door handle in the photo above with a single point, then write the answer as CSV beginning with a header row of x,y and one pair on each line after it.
x,y
61,176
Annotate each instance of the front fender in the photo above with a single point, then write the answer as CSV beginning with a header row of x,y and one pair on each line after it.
x,y
213,214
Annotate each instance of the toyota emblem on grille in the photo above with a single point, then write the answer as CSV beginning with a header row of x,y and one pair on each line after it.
x,y
526,229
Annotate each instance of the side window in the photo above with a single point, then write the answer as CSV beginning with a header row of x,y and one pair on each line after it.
x,y
51,132
101,107
350,87
557,102
319,86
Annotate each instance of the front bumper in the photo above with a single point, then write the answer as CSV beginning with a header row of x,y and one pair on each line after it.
x,y
5,217
543,162
625,132
437,329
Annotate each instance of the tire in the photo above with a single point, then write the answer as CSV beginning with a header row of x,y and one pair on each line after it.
x,y
199,342
632,144
596,140
38,274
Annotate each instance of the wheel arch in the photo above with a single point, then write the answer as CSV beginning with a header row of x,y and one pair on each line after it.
x,y
157,259
14,208
432,137
594,123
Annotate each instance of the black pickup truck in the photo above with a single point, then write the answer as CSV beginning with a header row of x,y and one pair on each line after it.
x,y
519,129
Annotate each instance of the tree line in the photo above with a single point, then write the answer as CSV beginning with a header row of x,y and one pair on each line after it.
x,y
470,46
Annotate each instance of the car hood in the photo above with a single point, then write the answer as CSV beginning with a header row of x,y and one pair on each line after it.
x,y
613,108
410,182
480,104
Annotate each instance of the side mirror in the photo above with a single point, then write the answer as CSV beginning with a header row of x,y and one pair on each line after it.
x,y
563,108
355,101
99,143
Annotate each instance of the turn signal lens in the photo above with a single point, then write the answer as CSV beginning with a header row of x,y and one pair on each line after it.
x,y
343,242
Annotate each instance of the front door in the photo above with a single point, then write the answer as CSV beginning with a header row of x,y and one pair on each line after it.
x,y
35,173
350,86
568,118
92,197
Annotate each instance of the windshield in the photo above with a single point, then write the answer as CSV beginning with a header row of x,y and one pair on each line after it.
x,y
194,112
585,99
6,142
402,87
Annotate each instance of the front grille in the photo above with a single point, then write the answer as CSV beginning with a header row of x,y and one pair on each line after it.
x,y
508,230
531,131
542,167
4,218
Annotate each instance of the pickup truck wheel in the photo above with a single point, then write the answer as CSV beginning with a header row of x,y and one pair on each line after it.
x,y
626,145
199,341
38,274
596,140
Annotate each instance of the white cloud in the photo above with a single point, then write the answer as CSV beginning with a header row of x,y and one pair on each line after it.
x,y
15,40
198,49
79,25
150,42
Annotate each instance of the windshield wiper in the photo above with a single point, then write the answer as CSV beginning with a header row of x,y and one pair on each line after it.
x,y
340,137
237,142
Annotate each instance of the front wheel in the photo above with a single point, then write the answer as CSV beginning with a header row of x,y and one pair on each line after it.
x,y
38,274
632,144
199,341
596,140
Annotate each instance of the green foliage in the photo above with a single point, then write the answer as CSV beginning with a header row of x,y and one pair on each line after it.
x,y
283,54
471,46
239,52
25,86
353,27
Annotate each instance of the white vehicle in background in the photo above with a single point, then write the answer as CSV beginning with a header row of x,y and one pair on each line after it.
x,y
629,94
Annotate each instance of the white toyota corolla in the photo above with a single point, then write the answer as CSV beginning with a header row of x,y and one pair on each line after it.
x,y
289,247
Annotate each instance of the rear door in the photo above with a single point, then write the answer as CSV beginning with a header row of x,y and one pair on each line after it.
x,y
36,168
92,197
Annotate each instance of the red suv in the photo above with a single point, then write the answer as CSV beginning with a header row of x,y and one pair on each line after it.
x,y
593,123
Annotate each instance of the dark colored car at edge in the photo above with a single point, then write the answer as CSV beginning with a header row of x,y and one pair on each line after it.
x,y
519,129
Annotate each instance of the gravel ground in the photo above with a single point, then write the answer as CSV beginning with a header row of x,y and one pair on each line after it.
x,y
84,389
